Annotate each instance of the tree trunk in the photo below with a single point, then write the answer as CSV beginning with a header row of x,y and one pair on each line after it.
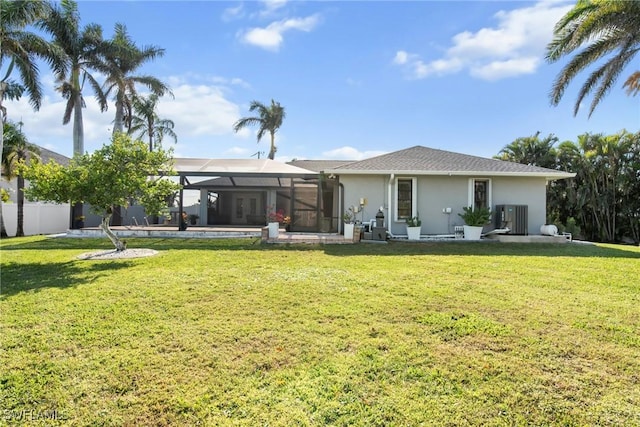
x,y
20,231
78,127
118,123
3,87
120,245
272,151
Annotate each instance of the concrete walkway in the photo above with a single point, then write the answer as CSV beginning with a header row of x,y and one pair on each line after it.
x,y
219,232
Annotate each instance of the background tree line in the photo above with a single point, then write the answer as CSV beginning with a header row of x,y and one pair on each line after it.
x,y
603,199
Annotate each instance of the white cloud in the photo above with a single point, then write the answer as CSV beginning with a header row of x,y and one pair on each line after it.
x,y
501,69
401,57
237,151
271,37
201,110
513,47
350,153
233,13
271,6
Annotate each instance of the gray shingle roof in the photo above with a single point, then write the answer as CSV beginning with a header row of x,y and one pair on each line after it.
x,y
429,161
47,155
319,165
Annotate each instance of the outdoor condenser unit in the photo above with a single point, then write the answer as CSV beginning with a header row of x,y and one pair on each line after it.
x,y
513,217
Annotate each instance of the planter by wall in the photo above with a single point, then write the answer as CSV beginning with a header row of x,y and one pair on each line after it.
x,y
348,230
472,233
274,229
413,233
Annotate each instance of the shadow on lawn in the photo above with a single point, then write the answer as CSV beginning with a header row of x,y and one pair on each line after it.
x,y
24,277
392,248
484,249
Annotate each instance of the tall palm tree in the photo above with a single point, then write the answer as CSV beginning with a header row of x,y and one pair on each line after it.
x,y
82,49
606,28
122,61
143,120
16,150
269,119
20,49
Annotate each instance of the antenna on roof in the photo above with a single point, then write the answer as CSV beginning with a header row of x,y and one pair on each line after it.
x,y
259,153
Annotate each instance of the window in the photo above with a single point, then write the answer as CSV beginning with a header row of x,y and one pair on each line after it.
x,y
406,198
480,193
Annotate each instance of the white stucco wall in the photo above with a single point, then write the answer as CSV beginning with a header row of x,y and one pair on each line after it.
x,y
437,193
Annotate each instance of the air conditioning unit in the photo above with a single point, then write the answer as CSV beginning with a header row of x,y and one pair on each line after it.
x,y
513,217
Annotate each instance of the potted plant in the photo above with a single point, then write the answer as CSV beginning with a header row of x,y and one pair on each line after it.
x,y
193,218
475,219
414,227
274,219
347,217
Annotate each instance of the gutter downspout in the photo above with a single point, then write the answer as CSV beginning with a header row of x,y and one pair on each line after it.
x,y
391,177
340,207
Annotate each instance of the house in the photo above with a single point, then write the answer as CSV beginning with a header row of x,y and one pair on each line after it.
x,y
435,185
419,181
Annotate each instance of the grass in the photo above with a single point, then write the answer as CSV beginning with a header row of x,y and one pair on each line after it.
x,y
231,332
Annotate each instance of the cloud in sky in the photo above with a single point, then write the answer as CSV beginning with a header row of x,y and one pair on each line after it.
x,y
271,37
271,6
198,110
349,153
233,13
514,47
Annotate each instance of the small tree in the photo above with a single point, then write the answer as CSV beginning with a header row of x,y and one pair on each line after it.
x,y
120,172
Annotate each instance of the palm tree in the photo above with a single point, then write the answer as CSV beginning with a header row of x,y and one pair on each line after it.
x,y
531,150
144,120
82,49
269,119
16,150
122,60
607,28
20,49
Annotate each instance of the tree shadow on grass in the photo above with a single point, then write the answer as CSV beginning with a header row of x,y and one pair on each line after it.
x,y
32,277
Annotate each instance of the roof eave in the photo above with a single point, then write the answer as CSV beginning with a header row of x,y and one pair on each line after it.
x,y
548,175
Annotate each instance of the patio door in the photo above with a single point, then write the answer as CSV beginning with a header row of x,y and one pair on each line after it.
x,y
247,209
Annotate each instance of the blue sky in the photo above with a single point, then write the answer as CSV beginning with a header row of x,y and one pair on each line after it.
x,y
357,78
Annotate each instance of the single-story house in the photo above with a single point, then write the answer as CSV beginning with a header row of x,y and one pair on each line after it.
x,y
435,185
419,181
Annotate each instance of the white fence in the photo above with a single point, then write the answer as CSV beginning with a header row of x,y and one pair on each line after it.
x,y
39,218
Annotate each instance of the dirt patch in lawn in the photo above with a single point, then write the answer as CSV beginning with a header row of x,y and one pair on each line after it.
x,y
113,254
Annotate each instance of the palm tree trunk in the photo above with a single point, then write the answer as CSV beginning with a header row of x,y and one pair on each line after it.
x,y
3,87
78,126
119,244
20,231
118,122
272,151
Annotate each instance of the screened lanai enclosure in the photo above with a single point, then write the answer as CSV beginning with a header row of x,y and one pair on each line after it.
x,y
243,192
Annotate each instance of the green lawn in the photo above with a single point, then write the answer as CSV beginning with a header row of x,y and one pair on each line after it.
x,y
232,332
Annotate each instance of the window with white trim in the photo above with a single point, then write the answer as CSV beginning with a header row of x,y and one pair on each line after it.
x,y
406,190
480,193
